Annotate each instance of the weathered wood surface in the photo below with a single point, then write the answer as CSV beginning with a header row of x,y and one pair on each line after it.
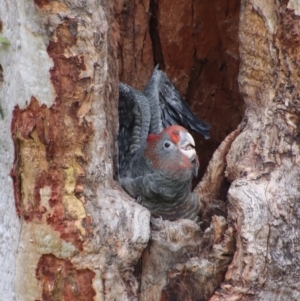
x,y
263,163
77,235
69,232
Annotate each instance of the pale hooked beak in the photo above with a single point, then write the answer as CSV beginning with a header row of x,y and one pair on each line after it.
x,y
187,145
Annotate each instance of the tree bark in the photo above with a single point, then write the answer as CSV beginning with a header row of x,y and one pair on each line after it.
x,y
263,163
77,235
68,231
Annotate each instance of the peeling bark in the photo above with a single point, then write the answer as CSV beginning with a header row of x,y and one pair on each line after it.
x,y
62,282
68,231
80,235
75,222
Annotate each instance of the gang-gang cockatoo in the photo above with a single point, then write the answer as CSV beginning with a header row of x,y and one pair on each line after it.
x,y
157,157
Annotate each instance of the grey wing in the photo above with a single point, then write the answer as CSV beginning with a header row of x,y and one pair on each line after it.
x,y
173,108
134,121
152,92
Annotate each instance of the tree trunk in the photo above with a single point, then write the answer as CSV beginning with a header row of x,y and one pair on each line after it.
x,y
68,231
263,163
77,235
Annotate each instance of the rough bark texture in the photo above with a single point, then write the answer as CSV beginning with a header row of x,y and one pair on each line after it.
x,y
69,232
263,162
182,262
80,236
195,42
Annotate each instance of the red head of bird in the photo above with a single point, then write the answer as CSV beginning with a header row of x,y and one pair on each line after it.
x,y
172,153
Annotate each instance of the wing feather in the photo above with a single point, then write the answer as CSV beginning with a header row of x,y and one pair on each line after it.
x,y
173,108
134,122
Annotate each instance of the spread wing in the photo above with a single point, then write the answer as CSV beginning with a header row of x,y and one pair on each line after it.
x,y
134,121
169,108
158,107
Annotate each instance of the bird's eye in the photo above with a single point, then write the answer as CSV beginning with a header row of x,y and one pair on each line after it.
x,y
167,144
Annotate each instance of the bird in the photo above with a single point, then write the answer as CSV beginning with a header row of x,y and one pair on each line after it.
x,y
157,156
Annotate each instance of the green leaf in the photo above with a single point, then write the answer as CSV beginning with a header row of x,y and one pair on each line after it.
x,y
4,40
